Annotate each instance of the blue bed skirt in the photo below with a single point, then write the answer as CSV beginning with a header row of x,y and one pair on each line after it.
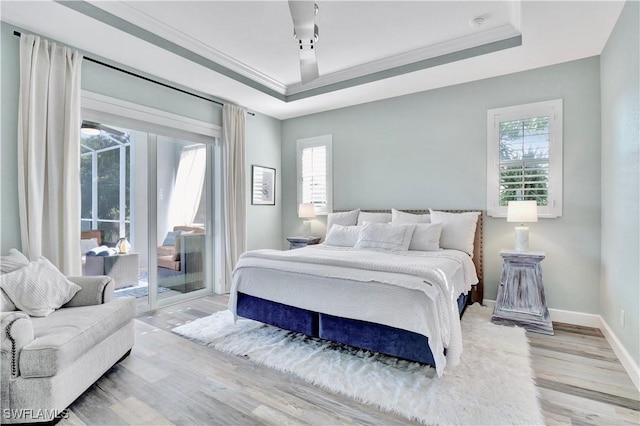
x,y
376,337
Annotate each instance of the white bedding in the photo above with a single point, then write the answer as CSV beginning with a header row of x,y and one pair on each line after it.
x,y
411,290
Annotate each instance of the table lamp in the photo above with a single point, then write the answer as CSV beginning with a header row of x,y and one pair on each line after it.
x,y
307,211
522,212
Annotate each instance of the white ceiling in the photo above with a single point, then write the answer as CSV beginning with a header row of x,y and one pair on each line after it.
x,y
254,40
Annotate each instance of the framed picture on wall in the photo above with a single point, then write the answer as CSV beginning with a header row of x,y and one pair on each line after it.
x,y
263,186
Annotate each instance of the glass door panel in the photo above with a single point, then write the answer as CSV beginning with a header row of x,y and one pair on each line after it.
x,y
182,216
113,173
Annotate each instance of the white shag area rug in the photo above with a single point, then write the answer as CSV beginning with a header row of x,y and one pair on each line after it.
x,y
492,385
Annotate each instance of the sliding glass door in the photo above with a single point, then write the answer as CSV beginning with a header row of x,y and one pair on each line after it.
x,y
181,216
147,198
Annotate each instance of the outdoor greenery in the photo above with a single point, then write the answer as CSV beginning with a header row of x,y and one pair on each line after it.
x,y
524,160
105,148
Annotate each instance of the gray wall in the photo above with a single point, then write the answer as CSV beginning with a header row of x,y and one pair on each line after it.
x,y
429,150
262,137
264,223
620,278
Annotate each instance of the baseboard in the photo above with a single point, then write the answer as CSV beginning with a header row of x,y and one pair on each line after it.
x,y
569,317
621,352
595,321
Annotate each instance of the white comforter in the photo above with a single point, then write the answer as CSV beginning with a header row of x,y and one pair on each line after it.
x,y
415,291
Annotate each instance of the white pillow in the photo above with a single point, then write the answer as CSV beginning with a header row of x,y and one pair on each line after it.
x,y
88,244
426,237
6,305
38,288
458,229
345,219
13,261
384,236
373,217
342,236
398,217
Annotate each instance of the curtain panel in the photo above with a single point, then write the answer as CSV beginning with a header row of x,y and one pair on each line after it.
x,y
234,193
49,152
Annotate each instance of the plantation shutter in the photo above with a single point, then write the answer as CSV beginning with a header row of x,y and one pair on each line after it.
x,y
524,160
314,176
314,172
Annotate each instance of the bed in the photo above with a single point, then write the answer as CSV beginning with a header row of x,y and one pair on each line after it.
x,y
404,303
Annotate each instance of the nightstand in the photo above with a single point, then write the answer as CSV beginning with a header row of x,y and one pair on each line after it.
x,y
297,242
521,298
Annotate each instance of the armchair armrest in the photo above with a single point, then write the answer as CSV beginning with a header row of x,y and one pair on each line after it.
x,y
96,290
17,332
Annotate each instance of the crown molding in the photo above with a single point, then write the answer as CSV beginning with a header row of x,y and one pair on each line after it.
x,y
501,33
149,23
346,77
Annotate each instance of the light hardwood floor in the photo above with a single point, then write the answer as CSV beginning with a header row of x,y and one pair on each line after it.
x,y
171,380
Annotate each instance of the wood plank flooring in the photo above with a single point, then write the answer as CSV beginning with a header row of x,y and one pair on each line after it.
x,y
171,380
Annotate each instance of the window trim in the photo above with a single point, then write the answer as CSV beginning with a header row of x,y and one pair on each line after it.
x,y
552,109
301,144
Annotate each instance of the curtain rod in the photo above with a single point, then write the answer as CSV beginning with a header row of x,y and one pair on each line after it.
x,y
113,67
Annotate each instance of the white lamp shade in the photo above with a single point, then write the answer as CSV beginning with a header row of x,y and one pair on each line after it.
x,y
306,210
522,211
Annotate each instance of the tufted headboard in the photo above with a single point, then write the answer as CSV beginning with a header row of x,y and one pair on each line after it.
x,y
477,292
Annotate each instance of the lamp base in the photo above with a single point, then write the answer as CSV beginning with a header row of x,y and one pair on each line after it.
x,y
306,228
522,238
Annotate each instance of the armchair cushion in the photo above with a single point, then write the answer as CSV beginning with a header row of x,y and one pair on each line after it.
x,y
64,337
38,288
18,332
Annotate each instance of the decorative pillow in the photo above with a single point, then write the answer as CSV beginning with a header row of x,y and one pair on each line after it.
x,y
458,229
426,237
13,261
345,219
38,288
88,244
398,217
384,236
170,239
342,236
373,217
6,305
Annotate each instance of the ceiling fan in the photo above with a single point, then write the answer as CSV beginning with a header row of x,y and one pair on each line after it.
x,y
305,31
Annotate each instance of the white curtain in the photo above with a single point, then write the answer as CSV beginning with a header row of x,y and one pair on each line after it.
x,y
49,152
189,184
234,195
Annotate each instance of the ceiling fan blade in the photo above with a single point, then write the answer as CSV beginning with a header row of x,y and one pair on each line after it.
x,y
303,15
308,68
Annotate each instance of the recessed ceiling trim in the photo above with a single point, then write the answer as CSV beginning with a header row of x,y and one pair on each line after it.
x,y
110,19
480,38
408,68
173,34
479,43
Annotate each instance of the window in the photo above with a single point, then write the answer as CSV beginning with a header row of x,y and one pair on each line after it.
x,y
524,157
314,173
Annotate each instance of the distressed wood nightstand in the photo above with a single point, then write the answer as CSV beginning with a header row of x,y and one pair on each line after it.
x,y
297,242
521,299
